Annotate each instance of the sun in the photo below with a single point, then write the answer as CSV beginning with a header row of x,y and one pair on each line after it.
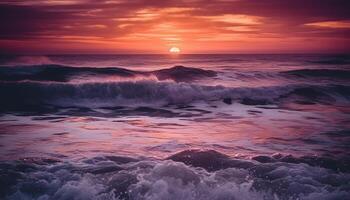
x,y
174,50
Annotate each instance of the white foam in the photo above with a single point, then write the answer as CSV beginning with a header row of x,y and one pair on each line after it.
x,y
161,180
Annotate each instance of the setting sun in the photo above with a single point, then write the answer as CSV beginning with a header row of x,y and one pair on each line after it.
x,y
174,50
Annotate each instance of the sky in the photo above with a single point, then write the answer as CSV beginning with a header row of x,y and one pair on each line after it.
x,y
193,26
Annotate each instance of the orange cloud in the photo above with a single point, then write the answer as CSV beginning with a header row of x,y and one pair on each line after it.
x,y
235,19
331,24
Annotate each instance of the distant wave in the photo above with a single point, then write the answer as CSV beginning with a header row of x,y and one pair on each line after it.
x,y
25,60
59,73
191,174
320,73
183,74
337,60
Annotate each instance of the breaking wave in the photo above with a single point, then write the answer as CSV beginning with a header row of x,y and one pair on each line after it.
x,y
53,85
190,174
124,93
131,93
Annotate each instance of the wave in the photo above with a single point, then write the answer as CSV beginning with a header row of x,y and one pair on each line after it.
x,y
60,73
24,95
334,60
320,73
34,87
56,73
318,94
25,60
125,93
187,175
183,74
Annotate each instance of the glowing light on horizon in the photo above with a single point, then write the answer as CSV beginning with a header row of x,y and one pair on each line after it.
x,y
174,50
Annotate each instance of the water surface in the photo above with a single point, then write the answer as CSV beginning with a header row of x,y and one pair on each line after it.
x,y
175,127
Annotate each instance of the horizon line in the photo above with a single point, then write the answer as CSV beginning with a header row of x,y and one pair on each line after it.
x,y
173,55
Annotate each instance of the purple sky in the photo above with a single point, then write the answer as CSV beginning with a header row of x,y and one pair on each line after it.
x,y
194,26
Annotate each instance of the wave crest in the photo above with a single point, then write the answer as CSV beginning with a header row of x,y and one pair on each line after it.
x,y
59,73
121,177
18,95
126,93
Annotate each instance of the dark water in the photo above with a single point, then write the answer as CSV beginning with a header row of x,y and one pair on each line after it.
x,y
175,127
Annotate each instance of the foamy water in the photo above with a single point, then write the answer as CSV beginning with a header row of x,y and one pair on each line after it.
x,y
175,127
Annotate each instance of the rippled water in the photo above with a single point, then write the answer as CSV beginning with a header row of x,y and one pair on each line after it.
x,y
175,127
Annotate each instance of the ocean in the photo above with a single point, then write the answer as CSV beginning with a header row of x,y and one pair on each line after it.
x,y
175,127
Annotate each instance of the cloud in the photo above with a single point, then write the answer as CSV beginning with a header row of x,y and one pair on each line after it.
x,y
331,24
235,19
174,22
